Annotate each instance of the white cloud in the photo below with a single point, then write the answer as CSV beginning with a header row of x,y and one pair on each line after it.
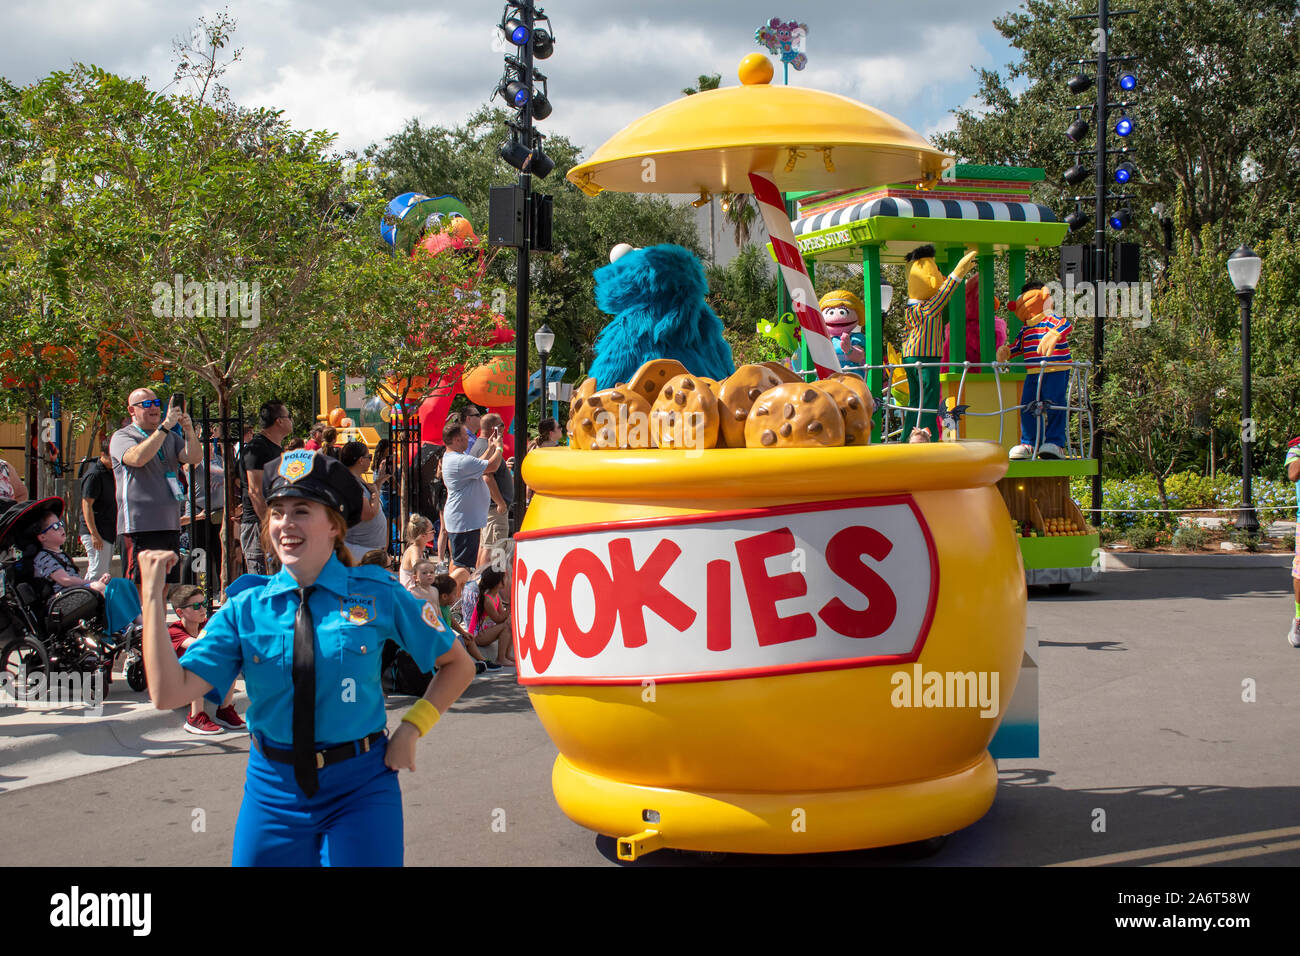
x,y
362,71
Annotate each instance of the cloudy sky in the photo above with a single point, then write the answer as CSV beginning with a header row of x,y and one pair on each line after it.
x,y
362,69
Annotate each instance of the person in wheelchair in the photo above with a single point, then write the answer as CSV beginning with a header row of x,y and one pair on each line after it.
x,y
121,602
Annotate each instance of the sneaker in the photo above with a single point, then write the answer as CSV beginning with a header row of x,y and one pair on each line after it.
x,y
202,724
492,665
480,667
1294,637
1022,452
1050,452
229,718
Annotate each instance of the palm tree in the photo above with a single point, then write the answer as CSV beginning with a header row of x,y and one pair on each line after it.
x,y
706,82
703,83
739,210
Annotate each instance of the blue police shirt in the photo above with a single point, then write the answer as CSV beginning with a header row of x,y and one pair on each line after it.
x,y
354,611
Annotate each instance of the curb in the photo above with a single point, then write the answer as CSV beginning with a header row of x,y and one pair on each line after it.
x,y
1137,561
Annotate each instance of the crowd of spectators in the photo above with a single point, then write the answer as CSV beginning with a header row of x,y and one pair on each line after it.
x,y
150,486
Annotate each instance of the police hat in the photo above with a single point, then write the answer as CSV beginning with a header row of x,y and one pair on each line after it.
x,y
306,474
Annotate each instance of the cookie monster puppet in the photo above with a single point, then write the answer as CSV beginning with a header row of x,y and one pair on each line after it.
x,y
657,298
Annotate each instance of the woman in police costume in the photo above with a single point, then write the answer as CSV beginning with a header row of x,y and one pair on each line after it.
x,y
322,773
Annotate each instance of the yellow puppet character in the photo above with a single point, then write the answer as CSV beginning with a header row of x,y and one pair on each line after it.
x,y
928,294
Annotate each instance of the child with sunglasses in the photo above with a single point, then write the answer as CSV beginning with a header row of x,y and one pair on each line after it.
x,y
191,607
121,602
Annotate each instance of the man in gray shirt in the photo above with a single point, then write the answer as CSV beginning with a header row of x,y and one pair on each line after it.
x,y
147,455
467,496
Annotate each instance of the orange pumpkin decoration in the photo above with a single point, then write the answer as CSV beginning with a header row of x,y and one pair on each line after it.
x,y
336,417
492,384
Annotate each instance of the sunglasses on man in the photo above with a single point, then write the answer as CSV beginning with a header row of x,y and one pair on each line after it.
x,y
198,606
148,403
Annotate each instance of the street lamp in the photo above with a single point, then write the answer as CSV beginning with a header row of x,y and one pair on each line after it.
x,y
544,338
1243,269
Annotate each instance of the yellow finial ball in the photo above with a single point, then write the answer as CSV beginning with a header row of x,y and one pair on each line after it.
x,y
755,70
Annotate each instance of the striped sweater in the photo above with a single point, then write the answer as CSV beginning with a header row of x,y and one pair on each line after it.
x,y
1026,343
925,322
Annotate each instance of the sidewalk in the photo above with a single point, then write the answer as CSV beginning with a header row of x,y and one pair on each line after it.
x,y
42,745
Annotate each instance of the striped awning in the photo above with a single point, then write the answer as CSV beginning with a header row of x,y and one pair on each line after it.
x,y
926,209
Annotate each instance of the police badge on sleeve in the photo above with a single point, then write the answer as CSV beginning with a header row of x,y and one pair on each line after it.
x,y
431,617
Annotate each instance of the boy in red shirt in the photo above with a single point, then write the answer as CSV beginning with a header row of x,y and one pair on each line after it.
x,y
190,606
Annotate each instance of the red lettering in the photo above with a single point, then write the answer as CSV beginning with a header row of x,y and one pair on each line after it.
x,y
634,589
592,642
844,553
718,581
765,590
541,587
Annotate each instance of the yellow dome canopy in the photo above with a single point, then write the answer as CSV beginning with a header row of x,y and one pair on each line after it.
x,y
806,139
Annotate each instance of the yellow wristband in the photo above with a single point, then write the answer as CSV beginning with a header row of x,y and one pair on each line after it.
x,y
423,715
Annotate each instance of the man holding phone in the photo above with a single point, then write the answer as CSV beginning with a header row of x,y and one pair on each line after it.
x,y
501,489
467,496
147,455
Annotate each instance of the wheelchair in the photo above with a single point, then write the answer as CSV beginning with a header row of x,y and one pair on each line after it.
x,y
42,632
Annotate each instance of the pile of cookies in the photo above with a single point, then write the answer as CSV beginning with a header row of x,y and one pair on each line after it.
x,y
757,406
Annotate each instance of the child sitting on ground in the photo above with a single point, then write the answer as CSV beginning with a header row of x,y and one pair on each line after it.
x,y
121,602
486,616
419,534
441,591
448,591
190,606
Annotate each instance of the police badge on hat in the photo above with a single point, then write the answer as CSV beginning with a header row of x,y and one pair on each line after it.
x,y
295,464
315,477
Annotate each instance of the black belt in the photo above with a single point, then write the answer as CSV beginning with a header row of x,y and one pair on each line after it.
x,y
324,758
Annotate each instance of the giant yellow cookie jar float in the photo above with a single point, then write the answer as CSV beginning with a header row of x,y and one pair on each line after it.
x,y
775,638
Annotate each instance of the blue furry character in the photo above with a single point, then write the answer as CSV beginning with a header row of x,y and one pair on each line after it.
x,y
656,296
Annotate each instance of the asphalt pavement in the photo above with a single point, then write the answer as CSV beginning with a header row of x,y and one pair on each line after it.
x,y
1168,703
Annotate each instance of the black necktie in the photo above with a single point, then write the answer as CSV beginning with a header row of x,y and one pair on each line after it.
x,y
304,696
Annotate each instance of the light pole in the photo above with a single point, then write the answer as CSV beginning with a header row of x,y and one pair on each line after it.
x,y
544,339
1243,269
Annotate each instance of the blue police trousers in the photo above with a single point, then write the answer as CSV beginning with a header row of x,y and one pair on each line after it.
x,y
355,818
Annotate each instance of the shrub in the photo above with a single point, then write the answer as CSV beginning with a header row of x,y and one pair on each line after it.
x,y
1142,537
1288,542
1187,489
1190,537
1244,538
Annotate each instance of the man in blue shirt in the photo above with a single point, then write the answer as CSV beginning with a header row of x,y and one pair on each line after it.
x,y
468,498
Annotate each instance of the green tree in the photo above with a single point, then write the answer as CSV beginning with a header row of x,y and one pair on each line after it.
x,y
1216,109
1165,398
210,240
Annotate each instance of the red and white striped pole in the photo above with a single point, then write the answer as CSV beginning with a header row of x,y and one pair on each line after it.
x,y
802,297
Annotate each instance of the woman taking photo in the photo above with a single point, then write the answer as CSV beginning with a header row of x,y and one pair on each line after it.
x,y
322,783
371,531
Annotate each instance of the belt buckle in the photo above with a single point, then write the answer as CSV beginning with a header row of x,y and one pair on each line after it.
x,y
365,745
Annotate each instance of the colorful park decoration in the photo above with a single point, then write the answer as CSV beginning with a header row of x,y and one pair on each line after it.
x,y
784,39
419,225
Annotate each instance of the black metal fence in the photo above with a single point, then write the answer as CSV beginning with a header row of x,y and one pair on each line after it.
x,y
215,492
